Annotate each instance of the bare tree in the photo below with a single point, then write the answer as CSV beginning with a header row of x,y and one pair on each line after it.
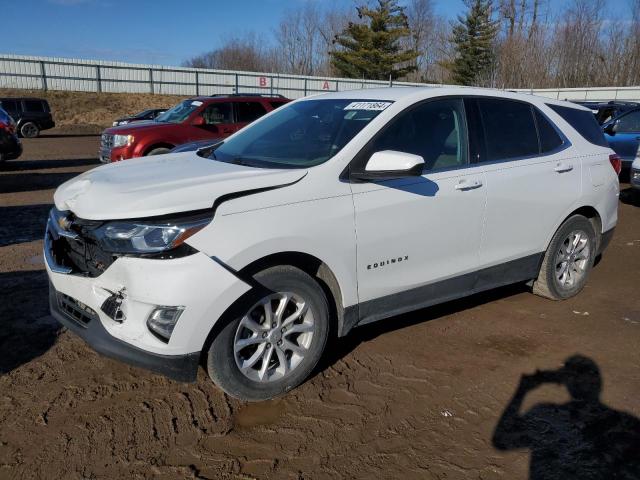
x,y
249,52
576,47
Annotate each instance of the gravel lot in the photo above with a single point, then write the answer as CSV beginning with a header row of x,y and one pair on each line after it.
x,y
417,396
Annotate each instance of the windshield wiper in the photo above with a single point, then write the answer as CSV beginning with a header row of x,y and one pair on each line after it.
x,y
242,161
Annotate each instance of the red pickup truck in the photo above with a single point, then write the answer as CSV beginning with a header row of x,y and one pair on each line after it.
x,y
197,118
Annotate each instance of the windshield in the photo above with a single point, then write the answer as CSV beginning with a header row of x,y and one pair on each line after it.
x,y
300,135
180,112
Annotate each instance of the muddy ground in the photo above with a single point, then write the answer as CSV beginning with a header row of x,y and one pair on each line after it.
x,y
418,396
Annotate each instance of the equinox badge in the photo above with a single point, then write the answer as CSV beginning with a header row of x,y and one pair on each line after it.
x,y
388,261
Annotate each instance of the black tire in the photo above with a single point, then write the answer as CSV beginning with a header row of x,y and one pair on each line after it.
x,y
29,130
548,284
159,151
221,358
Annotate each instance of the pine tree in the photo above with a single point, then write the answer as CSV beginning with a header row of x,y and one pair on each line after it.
x,y
473,38
372,49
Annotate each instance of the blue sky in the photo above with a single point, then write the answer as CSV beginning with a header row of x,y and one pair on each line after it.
x,y
147,31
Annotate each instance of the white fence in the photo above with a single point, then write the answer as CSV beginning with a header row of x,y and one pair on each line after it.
x,y
47,73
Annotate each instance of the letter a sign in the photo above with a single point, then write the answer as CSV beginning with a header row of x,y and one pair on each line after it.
x,y
325,85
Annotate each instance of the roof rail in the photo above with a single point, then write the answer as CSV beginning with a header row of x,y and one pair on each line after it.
x,y
266,95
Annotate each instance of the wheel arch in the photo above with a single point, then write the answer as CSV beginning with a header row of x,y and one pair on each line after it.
x,y
588,211
318,270
155,145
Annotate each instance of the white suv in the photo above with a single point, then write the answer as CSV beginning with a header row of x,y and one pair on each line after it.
x,y
331,212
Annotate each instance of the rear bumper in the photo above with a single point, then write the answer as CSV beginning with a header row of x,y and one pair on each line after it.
x,y
183,368
46,124
635,182
10,147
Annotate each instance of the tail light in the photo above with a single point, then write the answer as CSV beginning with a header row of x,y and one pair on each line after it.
x,y
616,162
9,127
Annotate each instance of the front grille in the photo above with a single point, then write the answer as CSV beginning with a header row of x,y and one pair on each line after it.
x,y
75,310
106,141
106,144
81,254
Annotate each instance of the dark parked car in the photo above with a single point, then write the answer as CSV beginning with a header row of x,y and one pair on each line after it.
x,y
605,111
141,116
623,135
32,115
10,146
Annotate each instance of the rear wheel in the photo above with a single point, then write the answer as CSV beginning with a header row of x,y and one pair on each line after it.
x,y
274,338
29,130
568,260
159,151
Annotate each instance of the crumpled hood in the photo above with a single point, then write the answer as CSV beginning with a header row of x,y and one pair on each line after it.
x,y
161,185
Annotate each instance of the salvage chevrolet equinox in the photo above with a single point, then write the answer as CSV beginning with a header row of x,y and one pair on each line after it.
x,y
328,213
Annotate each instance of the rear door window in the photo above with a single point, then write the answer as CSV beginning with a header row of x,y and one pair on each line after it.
x,y
276,104
583,122
247,112
217,113
34,106
509,129
630,123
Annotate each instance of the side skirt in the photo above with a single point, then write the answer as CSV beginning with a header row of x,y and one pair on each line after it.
x,y
515,271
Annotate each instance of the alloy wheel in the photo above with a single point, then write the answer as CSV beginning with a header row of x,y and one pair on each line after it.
x,y
572,259
273,337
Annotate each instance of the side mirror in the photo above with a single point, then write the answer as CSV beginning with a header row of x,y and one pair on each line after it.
x,y
198,121
611,128
389,164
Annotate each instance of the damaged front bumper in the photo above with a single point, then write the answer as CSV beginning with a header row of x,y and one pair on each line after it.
x,y
199,284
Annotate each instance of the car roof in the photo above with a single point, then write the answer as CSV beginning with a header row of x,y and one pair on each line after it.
x,y
412,94
217,98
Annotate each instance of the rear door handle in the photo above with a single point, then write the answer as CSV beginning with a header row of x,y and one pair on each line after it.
x,y
464,185
561,167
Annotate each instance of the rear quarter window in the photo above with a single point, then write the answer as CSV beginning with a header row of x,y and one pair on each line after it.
x,y
583,122
549,138
34,106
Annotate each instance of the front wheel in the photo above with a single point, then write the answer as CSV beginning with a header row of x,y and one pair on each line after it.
x,y
274,338
568,260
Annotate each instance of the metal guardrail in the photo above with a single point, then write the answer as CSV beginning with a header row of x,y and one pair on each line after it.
x,y
45,73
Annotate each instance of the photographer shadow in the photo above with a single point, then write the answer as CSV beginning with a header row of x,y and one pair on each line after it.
x,y
581,439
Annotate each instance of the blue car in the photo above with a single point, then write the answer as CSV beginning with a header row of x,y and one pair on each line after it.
x,y
623,135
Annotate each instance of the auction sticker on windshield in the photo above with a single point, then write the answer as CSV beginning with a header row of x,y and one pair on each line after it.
x,y
367,106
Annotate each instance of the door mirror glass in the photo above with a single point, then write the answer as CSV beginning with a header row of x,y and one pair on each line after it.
x,y
389,164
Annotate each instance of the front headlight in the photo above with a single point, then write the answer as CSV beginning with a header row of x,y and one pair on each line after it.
x,y
122,140
146,237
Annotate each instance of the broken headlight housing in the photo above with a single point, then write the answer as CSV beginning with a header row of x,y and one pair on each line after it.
x,y
142,237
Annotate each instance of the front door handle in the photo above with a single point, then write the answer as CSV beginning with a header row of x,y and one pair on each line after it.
x,y
561,168
464,185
